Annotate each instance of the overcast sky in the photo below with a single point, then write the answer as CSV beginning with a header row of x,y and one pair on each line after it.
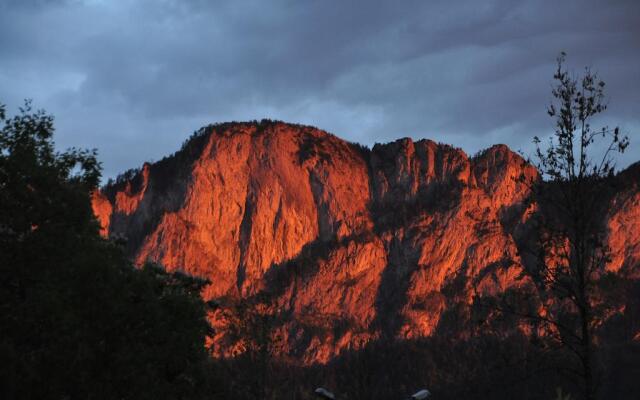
x,y
135,78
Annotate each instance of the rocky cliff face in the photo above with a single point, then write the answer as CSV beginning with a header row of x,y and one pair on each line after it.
x,y
348,244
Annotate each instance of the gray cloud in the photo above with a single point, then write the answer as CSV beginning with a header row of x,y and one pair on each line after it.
x,y
134,79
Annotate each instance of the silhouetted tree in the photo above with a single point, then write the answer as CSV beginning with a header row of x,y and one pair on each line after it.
x,y
576,165
77,320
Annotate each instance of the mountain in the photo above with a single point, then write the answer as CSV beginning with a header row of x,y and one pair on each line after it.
x,y
348,244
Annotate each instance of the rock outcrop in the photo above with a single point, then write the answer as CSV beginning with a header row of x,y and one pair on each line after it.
x,y
349,244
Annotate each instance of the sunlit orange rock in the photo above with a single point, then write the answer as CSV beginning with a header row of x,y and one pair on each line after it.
x,y
349,244
624,224
128,200
102,209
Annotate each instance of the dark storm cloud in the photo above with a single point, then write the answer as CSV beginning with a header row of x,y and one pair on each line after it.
x,y
134,78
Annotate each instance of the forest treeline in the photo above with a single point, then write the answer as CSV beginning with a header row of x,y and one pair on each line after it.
x,y
77,320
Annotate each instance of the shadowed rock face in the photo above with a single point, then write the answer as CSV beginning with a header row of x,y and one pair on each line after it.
x,y
349,244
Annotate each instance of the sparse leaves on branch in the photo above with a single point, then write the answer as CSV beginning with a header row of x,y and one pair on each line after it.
x,y
576,101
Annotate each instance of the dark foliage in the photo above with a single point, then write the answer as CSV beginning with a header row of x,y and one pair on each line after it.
x,y
472,355
439,196
77,320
